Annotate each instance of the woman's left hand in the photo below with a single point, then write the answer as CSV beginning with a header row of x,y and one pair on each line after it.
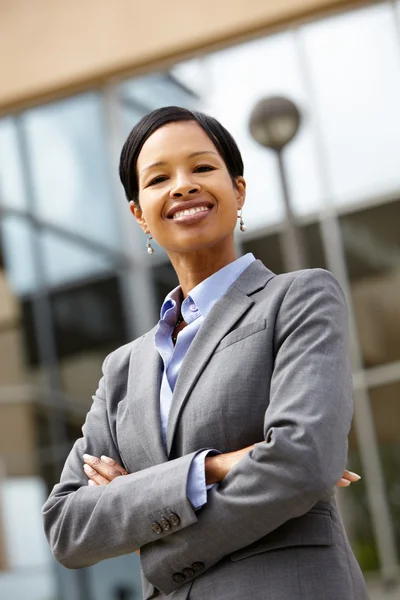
x,y
347,478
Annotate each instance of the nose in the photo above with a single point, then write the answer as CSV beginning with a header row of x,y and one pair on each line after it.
x,y
184,187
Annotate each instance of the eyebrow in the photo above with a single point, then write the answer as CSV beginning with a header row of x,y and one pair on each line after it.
x,y
161,163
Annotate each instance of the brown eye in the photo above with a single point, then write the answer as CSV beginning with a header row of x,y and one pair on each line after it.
x,y
156,180
204,169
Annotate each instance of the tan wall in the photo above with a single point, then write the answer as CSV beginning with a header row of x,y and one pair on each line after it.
x,y
17,439
50,47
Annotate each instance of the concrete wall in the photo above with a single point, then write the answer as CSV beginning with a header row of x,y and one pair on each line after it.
x,y
50,47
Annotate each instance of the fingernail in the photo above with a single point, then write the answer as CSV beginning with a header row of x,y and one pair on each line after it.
x,y
89,470
345,482
107,460
355,475
90,482
87,457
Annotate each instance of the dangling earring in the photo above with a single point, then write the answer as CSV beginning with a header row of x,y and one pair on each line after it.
x,y
241,222
149,247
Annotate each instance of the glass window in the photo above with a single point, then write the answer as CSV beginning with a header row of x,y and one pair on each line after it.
x,y
354,63
143,94
69,158
17,239
65,261
86,317
29,573
356,513
385,402
157,89
268,249
165,280
313,245
25,539
372,249
12,191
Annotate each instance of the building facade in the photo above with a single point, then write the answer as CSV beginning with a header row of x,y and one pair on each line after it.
x,y
76,280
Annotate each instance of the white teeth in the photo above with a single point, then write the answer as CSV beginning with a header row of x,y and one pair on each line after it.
x,y
190,211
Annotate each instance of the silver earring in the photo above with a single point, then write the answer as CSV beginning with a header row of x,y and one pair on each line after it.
x,y
241,222
149,247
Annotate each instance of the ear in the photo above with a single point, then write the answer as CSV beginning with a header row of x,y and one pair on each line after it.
x,y
138,214
240,191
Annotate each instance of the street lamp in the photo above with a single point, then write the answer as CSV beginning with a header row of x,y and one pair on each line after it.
x,y
274,122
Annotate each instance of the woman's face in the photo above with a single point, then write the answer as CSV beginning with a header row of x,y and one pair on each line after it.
x,y
187,198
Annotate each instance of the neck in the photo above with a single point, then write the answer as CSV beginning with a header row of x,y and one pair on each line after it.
x,y
194,267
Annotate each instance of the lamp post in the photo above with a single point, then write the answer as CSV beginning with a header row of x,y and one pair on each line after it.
x,y
274,122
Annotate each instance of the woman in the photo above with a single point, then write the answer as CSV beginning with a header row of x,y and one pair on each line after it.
x,y
230,418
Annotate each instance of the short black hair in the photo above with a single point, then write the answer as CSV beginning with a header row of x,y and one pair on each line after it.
x,y
217,133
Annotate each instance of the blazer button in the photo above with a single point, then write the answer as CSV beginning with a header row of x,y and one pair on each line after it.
x,y
174,519
198,566
165,524
156,527
178,577
188,572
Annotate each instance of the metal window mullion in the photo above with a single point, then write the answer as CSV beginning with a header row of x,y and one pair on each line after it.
x,y
136,280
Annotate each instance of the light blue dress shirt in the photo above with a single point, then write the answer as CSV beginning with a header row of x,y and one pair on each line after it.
x,y
194,310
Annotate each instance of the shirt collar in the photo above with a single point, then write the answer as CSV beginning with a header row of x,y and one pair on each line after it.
x,y
209,291
206,293
172,303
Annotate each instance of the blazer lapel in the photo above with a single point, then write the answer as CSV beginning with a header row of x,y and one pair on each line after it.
x,y
220,320
145,372
223,316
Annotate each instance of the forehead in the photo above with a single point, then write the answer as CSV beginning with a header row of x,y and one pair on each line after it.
x,y
173,142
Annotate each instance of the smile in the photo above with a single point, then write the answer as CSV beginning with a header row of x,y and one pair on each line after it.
x,y
189,213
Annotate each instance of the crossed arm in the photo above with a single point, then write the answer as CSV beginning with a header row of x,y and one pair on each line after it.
x,y
311,381
102,470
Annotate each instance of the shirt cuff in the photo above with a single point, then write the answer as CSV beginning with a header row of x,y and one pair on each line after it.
x,y
196,489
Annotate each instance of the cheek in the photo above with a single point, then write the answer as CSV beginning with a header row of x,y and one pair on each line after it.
x,y
151,208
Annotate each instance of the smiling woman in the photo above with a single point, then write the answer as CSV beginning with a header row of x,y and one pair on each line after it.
x,y
229,420
185,183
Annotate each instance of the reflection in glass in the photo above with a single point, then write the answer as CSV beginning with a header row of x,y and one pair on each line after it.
x,y
372,249
354,63
67,150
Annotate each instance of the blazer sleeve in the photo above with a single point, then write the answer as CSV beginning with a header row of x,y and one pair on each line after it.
x,y
306,426
85,524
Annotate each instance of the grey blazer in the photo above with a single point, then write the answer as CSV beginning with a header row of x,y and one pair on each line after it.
x,y
269,365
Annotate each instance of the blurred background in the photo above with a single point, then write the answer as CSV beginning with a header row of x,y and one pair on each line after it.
x,y
76,280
